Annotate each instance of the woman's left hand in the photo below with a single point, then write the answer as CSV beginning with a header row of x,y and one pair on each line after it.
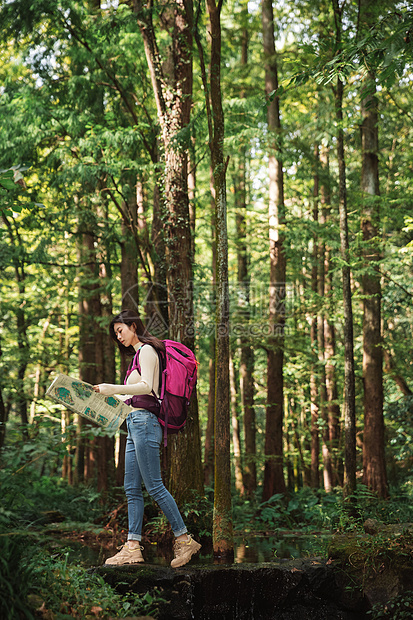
x,y
107,389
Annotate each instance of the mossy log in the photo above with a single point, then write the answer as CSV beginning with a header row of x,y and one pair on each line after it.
x,y
293,590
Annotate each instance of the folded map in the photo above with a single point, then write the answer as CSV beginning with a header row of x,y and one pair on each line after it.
x,y
78,396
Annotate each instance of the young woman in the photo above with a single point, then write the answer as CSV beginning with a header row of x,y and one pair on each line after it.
x,y
142,457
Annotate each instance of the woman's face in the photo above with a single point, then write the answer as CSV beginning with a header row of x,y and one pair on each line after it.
x,y
125,334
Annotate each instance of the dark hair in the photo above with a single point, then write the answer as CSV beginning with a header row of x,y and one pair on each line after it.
x,y
131,318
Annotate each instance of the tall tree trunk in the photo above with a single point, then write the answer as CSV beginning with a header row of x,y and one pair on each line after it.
x,y
223,543
3,412
130,300
247,352
305,443
209,457
90,346
172,87
154,299
349,376
66,419
332,405
105,444
222,535
273,473
236,439
374,464
297,441
314,377
321,253
129,257
21,328
23,357
244,283
209,453
160,290
325,449
192,192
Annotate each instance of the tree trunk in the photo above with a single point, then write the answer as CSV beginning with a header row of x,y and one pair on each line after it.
x,y
209,454
159,292
305,444
247,352
90,348
3,412
349,376
21,331
209,457
106,445
67,417
129,258
192,193
244,283
130,300
223,543
314,377
273,473
172,86
321,253
332,406
236,439
222,535
374,464
23,357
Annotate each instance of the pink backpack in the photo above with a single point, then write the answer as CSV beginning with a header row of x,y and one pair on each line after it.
x,y
178,379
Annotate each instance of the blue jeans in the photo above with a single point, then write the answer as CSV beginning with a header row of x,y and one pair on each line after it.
x,y
143,464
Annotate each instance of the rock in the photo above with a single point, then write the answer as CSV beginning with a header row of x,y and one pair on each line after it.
x,y
381,566
372,526
51,516
293,590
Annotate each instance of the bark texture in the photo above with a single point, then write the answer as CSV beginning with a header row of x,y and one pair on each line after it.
x,y
273,473
349,376
222,536
172,86
332,406
374,464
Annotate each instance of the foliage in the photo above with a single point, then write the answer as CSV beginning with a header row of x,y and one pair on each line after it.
x,y
32,579
309,509
364,556
78,593
28,495
197,515
16,578
398,608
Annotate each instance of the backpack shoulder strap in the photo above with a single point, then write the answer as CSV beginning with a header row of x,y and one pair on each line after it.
x,y
135,364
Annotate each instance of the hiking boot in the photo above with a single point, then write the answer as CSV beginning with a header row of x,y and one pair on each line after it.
x,y
126,556
184,550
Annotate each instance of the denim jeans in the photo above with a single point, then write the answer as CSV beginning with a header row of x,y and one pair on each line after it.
x,y
142,464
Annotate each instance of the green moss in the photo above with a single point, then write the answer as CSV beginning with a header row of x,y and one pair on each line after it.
x,y
364,555
126,574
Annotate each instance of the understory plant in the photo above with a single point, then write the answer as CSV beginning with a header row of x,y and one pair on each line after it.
x,y
33,582
398,608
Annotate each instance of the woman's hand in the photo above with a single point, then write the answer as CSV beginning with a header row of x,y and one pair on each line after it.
x,y
107,389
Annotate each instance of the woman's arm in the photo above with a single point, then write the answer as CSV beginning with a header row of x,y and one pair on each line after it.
x,y
137,383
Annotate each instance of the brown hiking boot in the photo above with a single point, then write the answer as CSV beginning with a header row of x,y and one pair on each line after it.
x,y
126,556
184,550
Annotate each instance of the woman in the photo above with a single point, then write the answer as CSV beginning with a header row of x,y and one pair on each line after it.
x,y
142,456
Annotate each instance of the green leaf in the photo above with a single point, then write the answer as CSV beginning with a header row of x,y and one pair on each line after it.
x,y
7,184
